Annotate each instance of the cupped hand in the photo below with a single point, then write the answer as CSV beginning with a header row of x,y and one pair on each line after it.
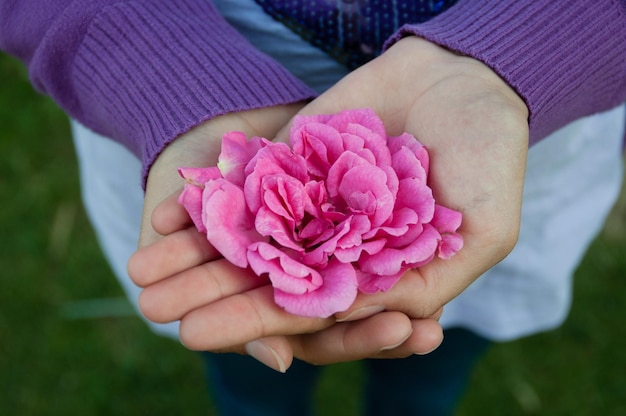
x,y
475,128
200,147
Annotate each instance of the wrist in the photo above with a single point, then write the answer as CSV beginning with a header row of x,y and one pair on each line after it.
x,y
428,64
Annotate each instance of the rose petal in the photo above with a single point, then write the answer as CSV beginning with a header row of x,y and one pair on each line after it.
x,y
268,224
319,144
409,141
337,171
273,158
199,176
191,196
400,241
371,283
416,195
229,224
284,196
406,165
337,293
449,245
390,261
319,255
300,121
447,222
364,189
285,273
316,231
364,117
397,226
354,253
191,199
236,152
367,144
303,290
345,243
358,225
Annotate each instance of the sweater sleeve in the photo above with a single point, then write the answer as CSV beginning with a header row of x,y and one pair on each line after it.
x,y
565,59
142,72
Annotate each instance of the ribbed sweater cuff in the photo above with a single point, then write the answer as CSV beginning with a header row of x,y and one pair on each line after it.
x,y
565,59
156,69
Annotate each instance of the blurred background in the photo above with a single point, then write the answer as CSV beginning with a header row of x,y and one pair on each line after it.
x,y
71,344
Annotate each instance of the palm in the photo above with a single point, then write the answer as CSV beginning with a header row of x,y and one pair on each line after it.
x,y
476,131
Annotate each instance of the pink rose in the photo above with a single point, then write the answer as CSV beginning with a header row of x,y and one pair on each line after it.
x,y
346,208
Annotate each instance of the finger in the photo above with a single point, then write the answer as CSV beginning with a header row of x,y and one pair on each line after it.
x,y
274,352
353,340
386,335
171,299
242,318
170,216
170,255
427,335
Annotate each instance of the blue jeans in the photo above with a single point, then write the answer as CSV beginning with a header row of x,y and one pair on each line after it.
x,y
418,385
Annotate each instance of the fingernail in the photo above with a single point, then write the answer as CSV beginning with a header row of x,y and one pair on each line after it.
x,y
391,347
266,355
362,313
428,352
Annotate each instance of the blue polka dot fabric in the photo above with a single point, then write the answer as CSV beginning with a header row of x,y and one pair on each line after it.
x,y
351,31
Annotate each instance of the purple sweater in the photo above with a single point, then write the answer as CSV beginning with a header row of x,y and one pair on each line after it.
x,y
145,71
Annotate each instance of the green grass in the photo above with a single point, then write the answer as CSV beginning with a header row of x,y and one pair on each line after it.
x,y
54,364
578,369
